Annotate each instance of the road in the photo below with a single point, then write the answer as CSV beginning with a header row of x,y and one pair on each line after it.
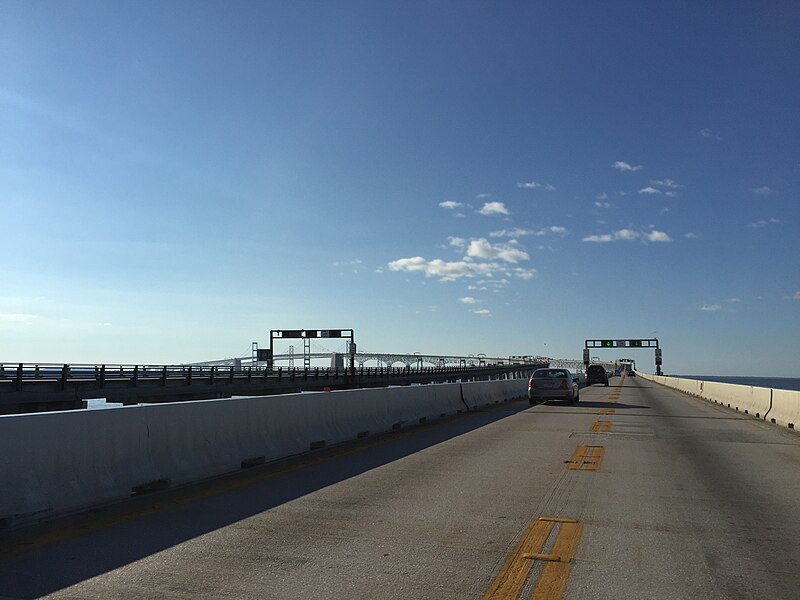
x,y
636,492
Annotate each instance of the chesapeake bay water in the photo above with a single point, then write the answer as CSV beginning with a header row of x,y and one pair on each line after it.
x,y
780,383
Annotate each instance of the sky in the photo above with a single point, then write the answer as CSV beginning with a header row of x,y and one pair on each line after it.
x,y
507,178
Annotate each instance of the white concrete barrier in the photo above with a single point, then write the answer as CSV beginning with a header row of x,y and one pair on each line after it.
x,y
485,393
52,463
775,405
785,408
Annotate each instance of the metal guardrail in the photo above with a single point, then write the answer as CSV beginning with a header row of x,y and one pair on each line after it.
x,y
31,387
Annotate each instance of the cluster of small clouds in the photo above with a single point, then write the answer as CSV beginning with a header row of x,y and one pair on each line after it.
x,y
480,260
629,235
762,191
764,222
488,208
716,307
481,312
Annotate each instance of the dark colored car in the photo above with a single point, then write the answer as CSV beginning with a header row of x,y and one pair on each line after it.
x,y
552,384
596,374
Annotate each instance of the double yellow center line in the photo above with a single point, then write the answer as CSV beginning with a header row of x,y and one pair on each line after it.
x,y
552,580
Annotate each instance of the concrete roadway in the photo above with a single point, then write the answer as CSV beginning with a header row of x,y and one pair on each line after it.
x,y
645,493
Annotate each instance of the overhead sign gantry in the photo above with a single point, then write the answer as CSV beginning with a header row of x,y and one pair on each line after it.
x,y
307,335
626,343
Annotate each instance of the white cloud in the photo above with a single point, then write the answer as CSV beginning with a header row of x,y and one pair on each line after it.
x,y
764,223
711,308
532,185
450,204
602,196
796,296
671,194
484,195
621,165
519,232
458,242
494,208
602,204
707,133
626,234
483,312
482,248
667,183
468,300
606,237
734,300
650,190
761,191
348,263
690,236
446,271
525,273
657,236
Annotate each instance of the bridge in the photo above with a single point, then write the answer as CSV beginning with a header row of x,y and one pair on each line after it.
x,y
652,487
38,387
34,387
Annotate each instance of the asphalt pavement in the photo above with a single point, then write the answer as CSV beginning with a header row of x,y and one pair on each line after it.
x,y
638,492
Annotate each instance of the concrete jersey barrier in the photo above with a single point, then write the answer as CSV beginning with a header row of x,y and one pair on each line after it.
x,y
781,407
53,463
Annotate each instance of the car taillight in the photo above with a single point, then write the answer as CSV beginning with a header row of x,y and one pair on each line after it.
x,y
563,384
531,384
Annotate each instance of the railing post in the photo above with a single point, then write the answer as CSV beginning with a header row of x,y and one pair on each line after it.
x,y
231,376
164,376
135,375
64,375
280,373
250,374
19,377
102,376
189,377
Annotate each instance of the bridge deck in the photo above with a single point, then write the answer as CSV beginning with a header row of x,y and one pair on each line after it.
x,y
673,498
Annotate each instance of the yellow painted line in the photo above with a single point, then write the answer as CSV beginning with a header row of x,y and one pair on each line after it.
x,y
586,458
552,580
601,426
608,411
516,568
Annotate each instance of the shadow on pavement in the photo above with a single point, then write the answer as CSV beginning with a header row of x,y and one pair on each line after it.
x,y
41,559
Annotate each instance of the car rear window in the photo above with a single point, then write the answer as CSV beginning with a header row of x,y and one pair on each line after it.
x,y
548,373
597,368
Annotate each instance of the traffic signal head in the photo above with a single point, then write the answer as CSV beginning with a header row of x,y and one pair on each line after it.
x,y
636,343
607,343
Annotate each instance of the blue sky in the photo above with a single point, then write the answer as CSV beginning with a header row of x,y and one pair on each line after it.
x,y
178,178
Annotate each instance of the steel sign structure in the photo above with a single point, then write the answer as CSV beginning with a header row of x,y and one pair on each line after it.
x,y
625,343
